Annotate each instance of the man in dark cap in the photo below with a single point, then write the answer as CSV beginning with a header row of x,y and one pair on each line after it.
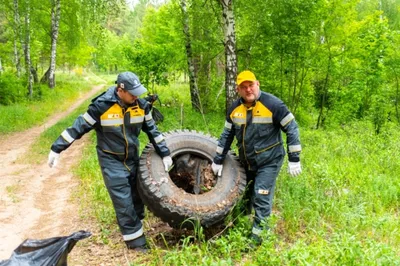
x,y
118,115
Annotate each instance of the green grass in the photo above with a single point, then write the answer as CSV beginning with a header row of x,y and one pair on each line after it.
x,y
342,210
28,113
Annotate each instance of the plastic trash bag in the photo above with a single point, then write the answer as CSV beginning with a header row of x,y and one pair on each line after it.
x,y
155,113
45,252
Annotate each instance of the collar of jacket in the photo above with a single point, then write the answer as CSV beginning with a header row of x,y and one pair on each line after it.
x,y
241,100
111,95
118,100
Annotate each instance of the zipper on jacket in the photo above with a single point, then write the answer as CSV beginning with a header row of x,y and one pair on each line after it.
x,y
126,140
244,147
244,131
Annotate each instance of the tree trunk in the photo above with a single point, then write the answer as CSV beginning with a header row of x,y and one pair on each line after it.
x,y
1,67
230,51
34,74
298,98
194,90
324,95
17,34
27,49
397,97
45,78
293,97
55,21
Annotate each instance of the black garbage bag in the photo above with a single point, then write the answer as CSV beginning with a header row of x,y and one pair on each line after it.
x,y
44,252
157,115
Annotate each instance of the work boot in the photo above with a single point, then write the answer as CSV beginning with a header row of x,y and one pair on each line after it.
x,y
254,243
138,244
255,240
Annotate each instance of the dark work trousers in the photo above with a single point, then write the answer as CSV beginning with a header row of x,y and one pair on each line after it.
x,y
122,188
260,192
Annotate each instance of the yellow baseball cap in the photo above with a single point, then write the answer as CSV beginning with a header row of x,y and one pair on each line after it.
x,y
245,76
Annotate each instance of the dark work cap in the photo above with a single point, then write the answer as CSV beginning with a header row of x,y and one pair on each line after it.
x,y
130,82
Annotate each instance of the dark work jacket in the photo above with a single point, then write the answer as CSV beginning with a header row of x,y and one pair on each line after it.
x,y
258,132
117,127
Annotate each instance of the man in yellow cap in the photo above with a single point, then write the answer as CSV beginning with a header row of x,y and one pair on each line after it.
x,y
257,119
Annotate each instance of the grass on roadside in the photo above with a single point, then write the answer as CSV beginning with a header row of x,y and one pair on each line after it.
x,y
28,113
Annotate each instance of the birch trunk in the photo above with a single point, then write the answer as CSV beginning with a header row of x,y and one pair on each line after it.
x,y
55,21
230,51
17,34
27,49
194,90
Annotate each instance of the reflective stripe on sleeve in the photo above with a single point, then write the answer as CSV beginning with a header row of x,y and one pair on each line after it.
x,y
228,125
148,117
219,150
67,136
287,119
89,119
294,148
159,138
133,236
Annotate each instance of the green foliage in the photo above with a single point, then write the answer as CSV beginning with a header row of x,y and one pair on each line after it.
x,y
333,58
110,55
149,62
11,89
159,51
175,103
26,113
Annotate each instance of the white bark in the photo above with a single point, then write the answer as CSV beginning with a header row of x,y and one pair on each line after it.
x,y
55,21
230,50
194,90
27,49
17,34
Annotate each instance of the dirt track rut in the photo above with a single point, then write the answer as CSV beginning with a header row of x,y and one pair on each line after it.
x,y
35,199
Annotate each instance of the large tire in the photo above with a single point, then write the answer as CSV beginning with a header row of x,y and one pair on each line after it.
x,y
173,204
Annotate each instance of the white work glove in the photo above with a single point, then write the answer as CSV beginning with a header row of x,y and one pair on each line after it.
x,y
53,159
294,168
217,169
167,161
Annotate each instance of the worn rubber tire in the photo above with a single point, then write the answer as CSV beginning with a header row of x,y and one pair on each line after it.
x,y
171,203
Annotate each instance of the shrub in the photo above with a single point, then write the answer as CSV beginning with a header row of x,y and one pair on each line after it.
x,y
11,89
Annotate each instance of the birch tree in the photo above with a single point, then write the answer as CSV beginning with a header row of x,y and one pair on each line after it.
x,y
17,34
230,50
27,49
49,76
194,90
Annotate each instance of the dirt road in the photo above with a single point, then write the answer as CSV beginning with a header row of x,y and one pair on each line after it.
x,y
37,202
35,199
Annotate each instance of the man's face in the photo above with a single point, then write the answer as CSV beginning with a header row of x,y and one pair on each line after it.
x,y
249,90
126,97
